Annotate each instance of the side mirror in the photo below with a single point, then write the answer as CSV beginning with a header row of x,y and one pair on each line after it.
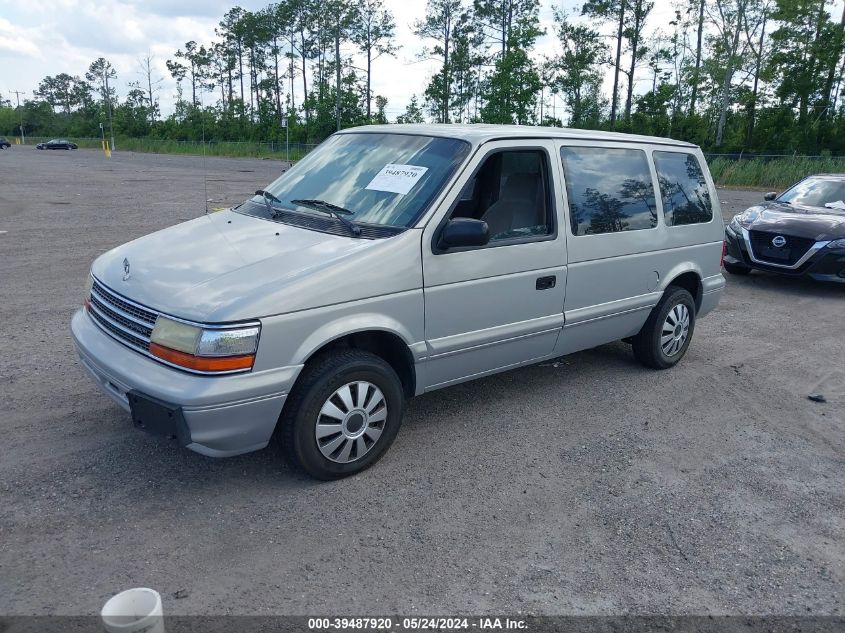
x,y
770,196
464,232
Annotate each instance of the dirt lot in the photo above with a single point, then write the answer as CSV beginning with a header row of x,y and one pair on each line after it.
x,y
593,486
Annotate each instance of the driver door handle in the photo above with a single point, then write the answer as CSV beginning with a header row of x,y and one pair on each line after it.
x,y
544,283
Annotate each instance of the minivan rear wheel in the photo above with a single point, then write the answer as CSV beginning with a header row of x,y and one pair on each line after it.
x,y
343,413
667,333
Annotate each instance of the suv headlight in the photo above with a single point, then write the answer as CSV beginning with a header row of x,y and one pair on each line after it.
x,y
203,348
735,226
837,244
744,220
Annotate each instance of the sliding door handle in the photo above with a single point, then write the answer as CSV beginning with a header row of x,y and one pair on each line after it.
x,y
544,283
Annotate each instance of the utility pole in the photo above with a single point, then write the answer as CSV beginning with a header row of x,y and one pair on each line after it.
x,y
18,94
108,103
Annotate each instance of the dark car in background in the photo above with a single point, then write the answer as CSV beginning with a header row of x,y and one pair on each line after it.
x,y
799,232
57,143
4,142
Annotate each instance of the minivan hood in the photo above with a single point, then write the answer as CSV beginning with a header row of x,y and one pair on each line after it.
x,y
810,222
227,266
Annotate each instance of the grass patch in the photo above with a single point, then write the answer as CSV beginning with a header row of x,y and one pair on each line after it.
x,y
771,173
232,149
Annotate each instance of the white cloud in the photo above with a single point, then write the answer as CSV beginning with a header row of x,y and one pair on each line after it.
x,y
17,42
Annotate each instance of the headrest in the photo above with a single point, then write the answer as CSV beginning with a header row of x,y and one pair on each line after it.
x,y
520,186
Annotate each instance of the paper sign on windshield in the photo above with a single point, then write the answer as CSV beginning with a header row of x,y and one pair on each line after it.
x,y
397,178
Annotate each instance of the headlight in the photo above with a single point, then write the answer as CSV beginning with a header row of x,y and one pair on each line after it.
x,y
176,335
837,244
743,220
204,349
228,342
735,226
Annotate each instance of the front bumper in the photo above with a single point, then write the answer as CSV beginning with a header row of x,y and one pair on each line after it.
x,y
223,415
824,264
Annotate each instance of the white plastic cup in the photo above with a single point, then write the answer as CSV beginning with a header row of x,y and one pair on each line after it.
x,y
134,611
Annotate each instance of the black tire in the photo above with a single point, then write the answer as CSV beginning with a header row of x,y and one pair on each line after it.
x,y
647,343
736,269
319,380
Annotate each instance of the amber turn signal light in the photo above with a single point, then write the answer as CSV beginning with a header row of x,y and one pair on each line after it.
x,y
202,363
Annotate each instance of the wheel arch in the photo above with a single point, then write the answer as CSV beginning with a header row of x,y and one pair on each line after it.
x,y
384,342
689,278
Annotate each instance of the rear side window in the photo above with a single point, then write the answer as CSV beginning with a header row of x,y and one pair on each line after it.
x,y
686,198
609,190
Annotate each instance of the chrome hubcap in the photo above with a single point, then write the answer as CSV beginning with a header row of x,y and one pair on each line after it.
x,y
675,330
350,422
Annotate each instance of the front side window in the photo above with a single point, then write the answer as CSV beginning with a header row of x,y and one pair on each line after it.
x,y
510,191
686,198
374,178
609,190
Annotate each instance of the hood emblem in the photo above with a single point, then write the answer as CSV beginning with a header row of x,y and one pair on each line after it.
x,y
126,273
779,241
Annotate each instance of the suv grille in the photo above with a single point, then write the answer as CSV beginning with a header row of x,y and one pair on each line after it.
x,y
788,254
128,322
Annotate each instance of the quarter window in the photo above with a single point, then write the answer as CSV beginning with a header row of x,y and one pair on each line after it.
x,y
609,190
686,198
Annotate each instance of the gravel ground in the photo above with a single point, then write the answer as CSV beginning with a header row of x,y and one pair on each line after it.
x,y
587,486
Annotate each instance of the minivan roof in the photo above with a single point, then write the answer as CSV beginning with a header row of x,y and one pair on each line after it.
x,y
477,133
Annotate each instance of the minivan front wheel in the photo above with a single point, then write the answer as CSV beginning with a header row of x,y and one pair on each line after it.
x,y
343,414
667,333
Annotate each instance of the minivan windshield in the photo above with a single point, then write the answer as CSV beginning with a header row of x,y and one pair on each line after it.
x,y
379,178
816,192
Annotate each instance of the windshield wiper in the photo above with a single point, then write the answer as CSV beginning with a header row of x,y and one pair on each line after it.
x,y
267,197
331,209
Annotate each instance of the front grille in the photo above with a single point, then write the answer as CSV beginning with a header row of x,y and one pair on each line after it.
x,y
786,255
126,321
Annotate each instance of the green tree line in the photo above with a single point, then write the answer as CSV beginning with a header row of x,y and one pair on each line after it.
x,y
729,75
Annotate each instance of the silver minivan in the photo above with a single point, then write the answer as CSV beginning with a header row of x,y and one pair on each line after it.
x,y
395,260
